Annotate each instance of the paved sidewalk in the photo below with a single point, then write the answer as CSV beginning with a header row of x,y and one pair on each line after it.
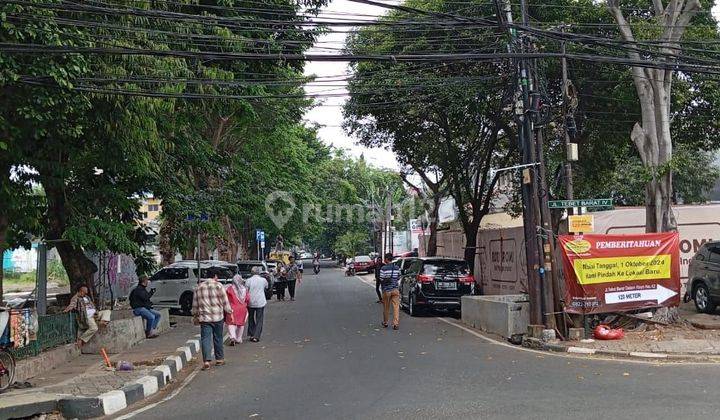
x,y
695,337
88,377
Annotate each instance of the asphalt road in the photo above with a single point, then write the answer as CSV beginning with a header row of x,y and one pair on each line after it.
x,y
325,356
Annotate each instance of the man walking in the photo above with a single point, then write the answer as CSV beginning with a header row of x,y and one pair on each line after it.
x,y
378,290
389,278
256,285
292,275
140,303
210,304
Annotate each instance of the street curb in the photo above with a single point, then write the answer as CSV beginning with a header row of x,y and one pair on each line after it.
x,y
113,401
538,344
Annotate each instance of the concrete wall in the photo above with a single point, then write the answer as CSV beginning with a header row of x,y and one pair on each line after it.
x,y
124,331
500,266
503,315
33,366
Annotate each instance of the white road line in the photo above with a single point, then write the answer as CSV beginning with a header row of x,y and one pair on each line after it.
x,y
549,353
168,398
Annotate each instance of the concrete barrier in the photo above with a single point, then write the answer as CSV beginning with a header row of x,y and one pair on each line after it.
x,y
31,367
124,331
504,315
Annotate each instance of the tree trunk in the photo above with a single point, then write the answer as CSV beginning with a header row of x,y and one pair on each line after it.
x,y
204,246
228,248
434,215
245,252
80,269
167,253
471,245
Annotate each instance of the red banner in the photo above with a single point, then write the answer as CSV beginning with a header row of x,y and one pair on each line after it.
x,y
614,273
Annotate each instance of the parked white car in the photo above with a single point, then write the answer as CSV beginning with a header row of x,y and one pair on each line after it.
x,y
173,286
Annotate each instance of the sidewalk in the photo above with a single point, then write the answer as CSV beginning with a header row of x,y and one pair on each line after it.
x,y
696,337
84,387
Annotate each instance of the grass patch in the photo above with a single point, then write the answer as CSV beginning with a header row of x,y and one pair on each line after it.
x,y
17,282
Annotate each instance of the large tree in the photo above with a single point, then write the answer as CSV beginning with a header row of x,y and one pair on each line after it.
x,y
448,117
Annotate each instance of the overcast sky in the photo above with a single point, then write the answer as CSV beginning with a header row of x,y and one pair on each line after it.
x,y
329,111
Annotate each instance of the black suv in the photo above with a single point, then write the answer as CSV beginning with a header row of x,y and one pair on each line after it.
x,y
435,282
703,284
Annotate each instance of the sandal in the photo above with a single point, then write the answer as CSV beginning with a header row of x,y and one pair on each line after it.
x,y
385,324
206,366
219,362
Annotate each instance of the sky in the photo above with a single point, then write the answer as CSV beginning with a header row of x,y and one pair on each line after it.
x,y
329,112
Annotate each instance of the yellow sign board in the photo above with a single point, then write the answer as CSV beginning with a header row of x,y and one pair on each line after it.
x,y
632,268
584,223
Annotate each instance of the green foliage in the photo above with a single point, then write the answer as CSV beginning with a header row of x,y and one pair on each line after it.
x,y
607,107
352,243
56,273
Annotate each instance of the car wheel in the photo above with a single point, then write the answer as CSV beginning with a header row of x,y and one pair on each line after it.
x,y
186,301
703,301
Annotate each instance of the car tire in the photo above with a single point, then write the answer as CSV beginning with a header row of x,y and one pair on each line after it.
x,y
703,301
186,301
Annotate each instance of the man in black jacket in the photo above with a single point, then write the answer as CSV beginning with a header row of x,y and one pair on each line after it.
x,y
378,266
141,305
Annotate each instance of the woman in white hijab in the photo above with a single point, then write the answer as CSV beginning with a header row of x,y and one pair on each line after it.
x,y
239,298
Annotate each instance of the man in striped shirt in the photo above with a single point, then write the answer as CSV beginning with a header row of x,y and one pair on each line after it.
x,y
210,304
389,279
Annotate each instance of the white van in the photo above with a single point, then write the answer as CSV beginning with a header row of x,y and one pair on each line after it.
x,y
173,286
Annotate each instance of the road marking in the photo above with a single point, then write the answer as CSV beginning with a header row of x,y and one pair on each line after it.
x,y
172,395
168,398
549,353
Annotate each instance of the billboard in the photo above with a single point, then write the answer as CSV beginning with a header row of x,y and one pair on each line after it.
x,y
611,273
696,225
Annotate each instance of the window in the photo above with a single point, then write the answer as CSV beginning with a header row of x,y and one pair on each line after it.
x,y
170,274
714,254
414,267
362,258
247,268
208,273
143,215
153,207
449,266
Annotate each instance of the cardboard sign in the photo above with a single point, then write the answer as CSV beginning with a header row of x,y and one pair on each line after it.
x,y
584,223
614,273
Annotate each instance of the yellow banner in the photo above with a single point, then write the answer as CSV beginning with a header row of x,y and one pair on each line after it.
x,y
606,270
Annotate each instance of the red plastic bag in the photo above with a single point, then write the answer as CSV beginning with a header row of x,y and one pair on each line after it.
x,y
603,332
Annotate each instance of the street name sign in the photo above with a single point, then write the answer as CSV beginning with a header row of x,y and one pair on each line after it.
x,y
587,202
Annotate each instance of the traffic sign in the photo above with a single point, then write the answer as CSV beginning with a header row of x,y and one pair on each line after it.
x,y
588,202
203,217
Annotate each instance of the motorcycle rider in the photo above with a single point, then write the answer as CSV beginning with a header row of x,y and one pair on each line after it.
x,y
316,263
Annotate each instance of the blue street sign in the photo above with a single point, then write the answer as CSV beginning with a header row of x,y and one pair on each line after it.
x,y
203,217
259,235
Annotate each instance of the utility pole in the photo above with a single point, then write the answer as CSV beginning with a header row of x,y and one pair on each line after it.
x,y
529,193
570,147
